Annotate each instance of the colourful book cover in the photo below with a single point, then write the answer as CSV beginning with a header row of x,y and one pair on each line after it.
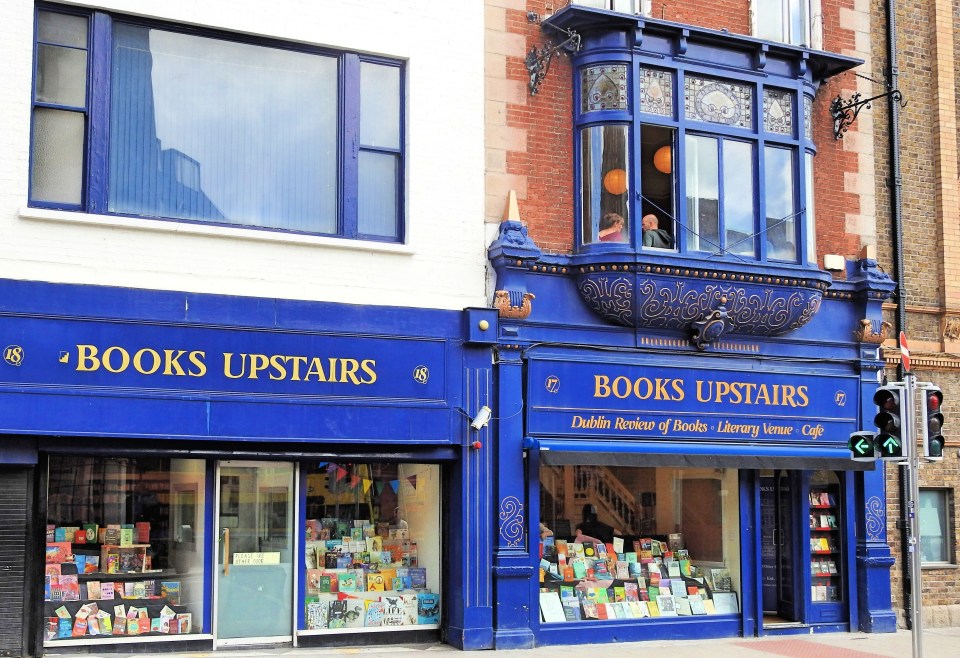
x,y
317,614
355,613
411,609
338,614
170,590
59,552
94,591
70,587
79,628
186,622
64,627
393,610
351,581
59,534
375,583
428,608
91,564
374,613
334,581
142,532
50,631
126,536
139,590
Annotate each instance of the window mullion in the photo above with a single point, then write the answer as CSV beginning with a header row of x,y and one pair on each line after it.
x,y
98,117
350,144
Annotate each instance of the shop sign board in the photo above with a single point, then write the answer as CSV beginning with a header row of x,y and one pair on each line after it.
x,y
619,400
170,359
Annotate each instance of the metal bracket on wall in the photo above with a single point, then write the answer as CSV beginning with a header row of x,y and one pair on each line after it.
x,y
538,59
844,113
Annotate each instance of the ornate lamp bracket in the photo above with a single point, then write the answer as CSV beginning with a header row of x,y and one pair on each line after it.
x,y
538,59
844,113
711,327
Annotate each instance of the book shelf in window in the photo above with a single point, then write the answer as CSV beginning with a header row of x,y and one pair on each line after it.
x,y
825,546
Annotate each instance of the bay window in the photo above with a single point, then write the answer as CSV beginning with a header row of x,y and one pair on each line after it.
x,y
729,147
150,121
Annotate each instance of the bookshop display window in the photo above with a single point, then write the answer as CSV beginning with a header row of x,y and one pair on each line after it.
x,y
826,563
125,548
372,550
638,543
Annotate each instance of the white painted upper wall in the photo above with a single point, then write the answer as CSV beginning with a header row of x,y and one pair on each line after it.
x,y
441,265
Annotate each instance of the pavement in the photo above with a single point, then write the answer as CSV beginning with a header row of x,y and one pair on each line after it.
x,y
936,643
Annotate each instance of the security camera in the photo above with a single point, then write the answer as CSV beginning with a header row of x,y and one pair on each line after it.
x,y
481,419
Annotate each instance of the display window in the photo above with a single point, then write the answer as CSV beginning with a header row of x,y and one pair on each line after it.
x,y
124,548
371,548
638,543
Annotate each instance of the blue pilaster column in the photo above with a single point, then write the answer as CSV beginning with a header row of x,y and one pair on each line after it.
x,y
511,254
512,563
870,287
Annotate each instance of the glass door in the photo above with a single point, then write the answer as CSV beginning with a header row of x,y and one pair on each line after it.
x,y
255,546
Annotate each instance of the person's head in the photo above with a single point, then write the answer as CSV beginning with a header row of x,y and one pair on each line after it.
x,y
589,512
650,222
611,220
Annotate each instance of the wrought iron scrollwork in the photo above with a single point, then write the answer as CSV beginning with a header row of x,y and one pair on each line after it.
x,y
844,113
538,59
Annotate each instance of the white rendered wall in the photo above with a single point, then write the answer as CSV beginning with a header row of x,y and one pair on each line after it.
x,y
441,265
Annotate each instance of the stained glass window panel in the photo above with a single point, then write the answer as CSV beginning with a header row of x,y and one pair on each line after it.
x,y
604,87
778,111
716,101
656,92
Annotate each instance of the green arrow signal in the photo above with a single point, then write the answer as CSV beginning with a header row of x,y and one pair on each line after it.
x,y
863,446
891,445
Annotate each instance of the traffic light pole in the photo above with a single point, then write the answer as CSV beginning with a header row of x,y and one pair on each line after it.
x,y
912,454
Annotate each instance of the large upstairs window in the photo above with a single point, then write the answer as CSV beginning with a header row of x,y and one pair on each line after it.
x,y
151,120
692,161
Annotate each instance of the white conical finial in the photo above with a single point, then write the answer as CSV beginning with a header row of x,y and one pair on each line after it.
x,y
512,211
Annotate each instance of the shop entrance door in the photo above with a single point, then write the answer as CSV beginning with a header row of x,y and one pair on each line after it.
x,y
779,551
254,583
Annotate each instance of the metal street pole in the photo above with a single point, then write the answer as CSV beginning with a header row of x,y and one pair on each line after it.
x,y
913,541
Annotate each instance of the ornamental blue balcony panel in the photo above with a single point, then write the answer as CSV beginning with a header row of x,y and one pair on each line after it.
x,y
704,299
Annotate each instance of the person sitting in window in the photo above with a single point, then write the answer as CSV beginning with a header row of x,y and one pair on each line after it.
x,y
591,527
653,235
611,228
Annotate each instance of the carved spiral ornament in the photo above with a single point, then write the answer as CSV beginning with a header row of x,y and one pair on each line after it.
x,y
669,302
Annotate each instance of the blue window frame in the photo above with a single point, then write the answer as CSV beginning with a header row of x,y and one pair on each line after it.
x,y
151,120
734,148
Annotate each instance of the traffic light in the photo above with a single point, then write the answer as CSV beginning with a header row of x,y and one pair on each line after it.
x,y
889,421
861,446
932,423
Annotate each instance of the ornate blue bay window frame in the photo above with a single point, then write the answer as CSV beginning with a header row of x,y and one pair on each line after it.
x,y
712,133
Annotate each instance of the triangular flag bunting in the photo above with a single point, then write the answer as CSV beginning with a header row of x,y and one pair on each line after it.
x,y
413,481
395,484
341,473
366,485
378,487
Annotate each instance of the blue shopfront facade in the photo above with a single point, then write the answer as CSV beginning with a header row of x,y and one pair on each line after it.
x,y
263,430
673,410
769,416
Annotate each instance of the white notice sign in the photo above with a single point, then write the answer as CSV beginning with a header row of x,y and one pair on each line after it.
x,y
257,558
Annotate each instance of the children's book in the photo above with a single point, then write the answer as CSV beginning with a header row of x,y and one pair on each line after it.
x,y
666,605
428,608
70,587
170,590
338,614
393,610
64,627
374,613
411,605
186,622
58,552
355,612
317,614
551,607
375,583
